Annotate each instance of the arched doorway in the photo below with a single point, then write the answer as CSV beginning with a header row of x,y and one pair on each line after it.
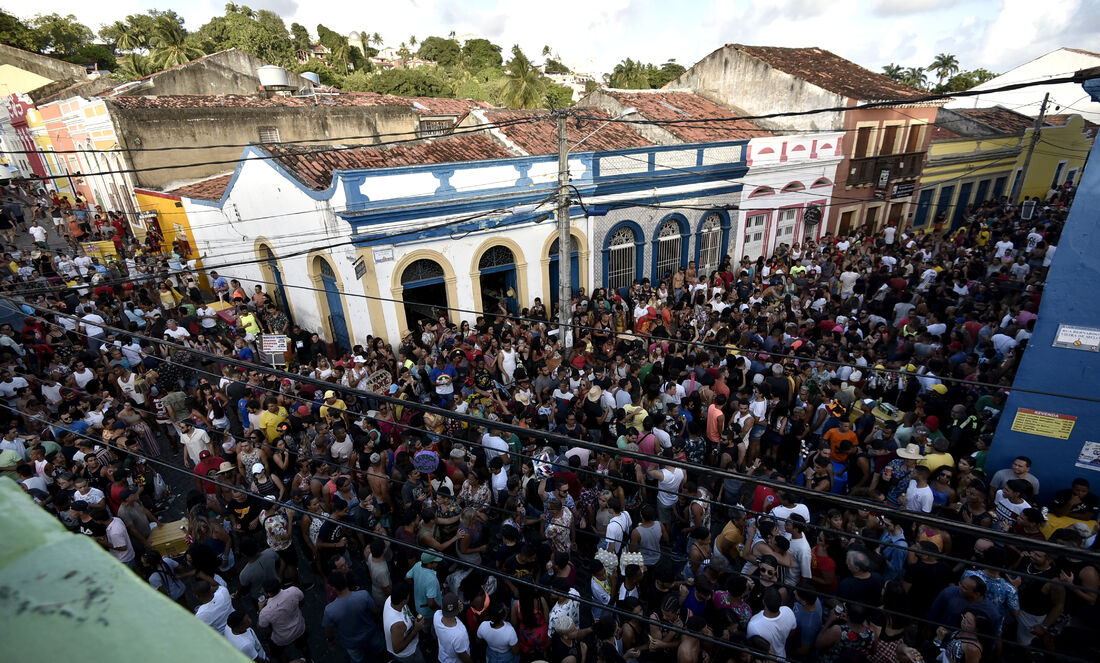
x,y
710,244
275,290
623,256
555,271
334,304
668,249
498,278
424,291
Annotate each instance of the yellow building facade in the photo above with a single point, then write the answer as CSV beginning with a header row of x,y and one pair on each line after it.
x,y
978,155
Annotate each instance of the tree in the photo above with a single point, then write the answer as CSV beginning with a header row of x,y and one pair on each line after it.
x,y
324,70
135,32
478,54
915,77
170,45
525,87
966,80
546,51
403,50
444,52
558,96
60,35
299,37
630,75
342,54
944,66
669,71
412,41
15,32
552,66
418,82
98,56
134,66
591,86
376,39
894,71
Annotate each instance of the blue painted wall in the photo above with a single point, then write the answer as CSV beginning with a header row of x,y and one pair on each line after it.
x,y
1072,296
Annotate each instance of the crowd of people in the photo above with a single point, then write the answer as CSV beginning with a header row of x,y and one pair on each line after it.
x,y
733,466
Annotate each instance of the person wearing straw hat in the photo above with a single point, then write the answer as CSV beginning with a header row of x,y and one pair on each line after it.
x,y
897,473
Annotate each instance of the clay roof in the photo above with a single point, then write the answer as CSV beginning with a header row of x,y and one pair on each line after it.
x,y
1084,52
999,118
541,136
1060,120
314,167
209,189
831,72
663,105
422,105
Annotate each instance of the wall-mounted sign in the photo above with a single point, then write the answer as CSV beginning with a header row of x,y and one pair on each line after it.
x,y
903,189
1076,337
383,255
360,267
1045,424
1089,458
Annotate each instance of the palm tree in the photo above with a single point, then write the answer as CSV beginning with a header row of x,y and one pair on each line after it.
x,y
451,34
342,53
915,77
893,71
376,39
945,66
524,87
412,41
630,75
135,66
170,46
545,50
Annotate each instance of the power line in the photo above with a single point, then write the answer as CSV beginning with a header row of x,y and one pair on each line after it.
x,y
561,439
415,547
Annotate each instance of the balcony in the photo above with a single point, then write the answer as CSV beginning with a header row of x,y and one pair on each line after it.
x,y
870,170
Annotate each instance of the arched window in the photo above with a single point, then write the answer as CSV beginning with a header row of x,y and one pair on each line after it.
x,y
422,270
761,191
622,258
326,270
496,256
669,253
821,181
710,243
793,186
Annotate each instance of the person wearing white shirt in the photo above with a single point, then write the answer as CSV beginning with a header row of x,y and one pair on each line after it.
x,y
888,235
1003,248
450,633
9,386
402,633
774,623
208,317
498,633
215,605
493,444
83,264
800,552
91,323
238,631
668,480
919,497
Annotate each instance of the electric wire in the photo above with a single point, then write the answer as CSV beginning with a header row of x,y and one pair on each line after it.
x,y
638,456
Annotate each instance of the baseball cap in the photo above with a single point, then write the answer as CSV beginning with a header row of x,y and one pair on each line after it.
x,y
450,605
303,410
429,558
257,468
330,394
204,454
79,505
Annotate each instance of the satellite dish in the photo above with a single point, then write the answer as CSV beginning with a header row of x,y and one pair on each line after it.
x,y
812,216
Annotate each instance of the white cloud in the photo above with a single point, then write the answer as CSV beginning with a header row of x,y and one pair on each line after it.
x,y
900,8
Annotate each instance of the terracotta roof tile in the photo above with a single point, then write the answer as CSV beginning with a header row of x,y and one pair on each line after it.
x,y
999,118
1060,120
541,136
314,168
664,105
831,72
422,105
209,189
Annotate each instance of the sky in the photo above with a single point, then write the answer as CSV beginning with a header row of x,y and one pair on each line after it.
x,y
592,35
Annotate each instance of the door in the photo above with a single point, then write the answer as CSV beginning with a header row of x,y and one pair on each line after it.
x,y
999,187
756,235
498,280
943,204
280,292
959,217
337,321
870,221
924,204
784,228
845,224
555,272
982,192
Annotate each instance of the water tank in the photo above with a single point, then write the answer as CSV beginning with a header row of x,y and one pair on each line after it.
x,y
272,76
311,76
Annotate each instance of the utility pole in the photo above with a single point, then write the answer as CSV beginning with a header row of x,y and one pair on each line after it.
x,y
565,239
1018,184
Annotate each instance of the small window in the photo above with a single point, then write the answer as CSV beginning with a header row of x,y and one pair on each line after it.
x,y
269,134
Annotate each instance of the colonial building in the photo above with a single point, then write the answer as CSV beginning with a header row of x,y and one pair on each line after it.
x,y
883,148
787,175
386,236
979,154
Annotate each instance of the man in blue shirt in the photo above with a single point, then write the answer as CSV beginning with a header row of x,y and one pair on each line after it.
x,y
220,285
895,554
350,619
426,593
